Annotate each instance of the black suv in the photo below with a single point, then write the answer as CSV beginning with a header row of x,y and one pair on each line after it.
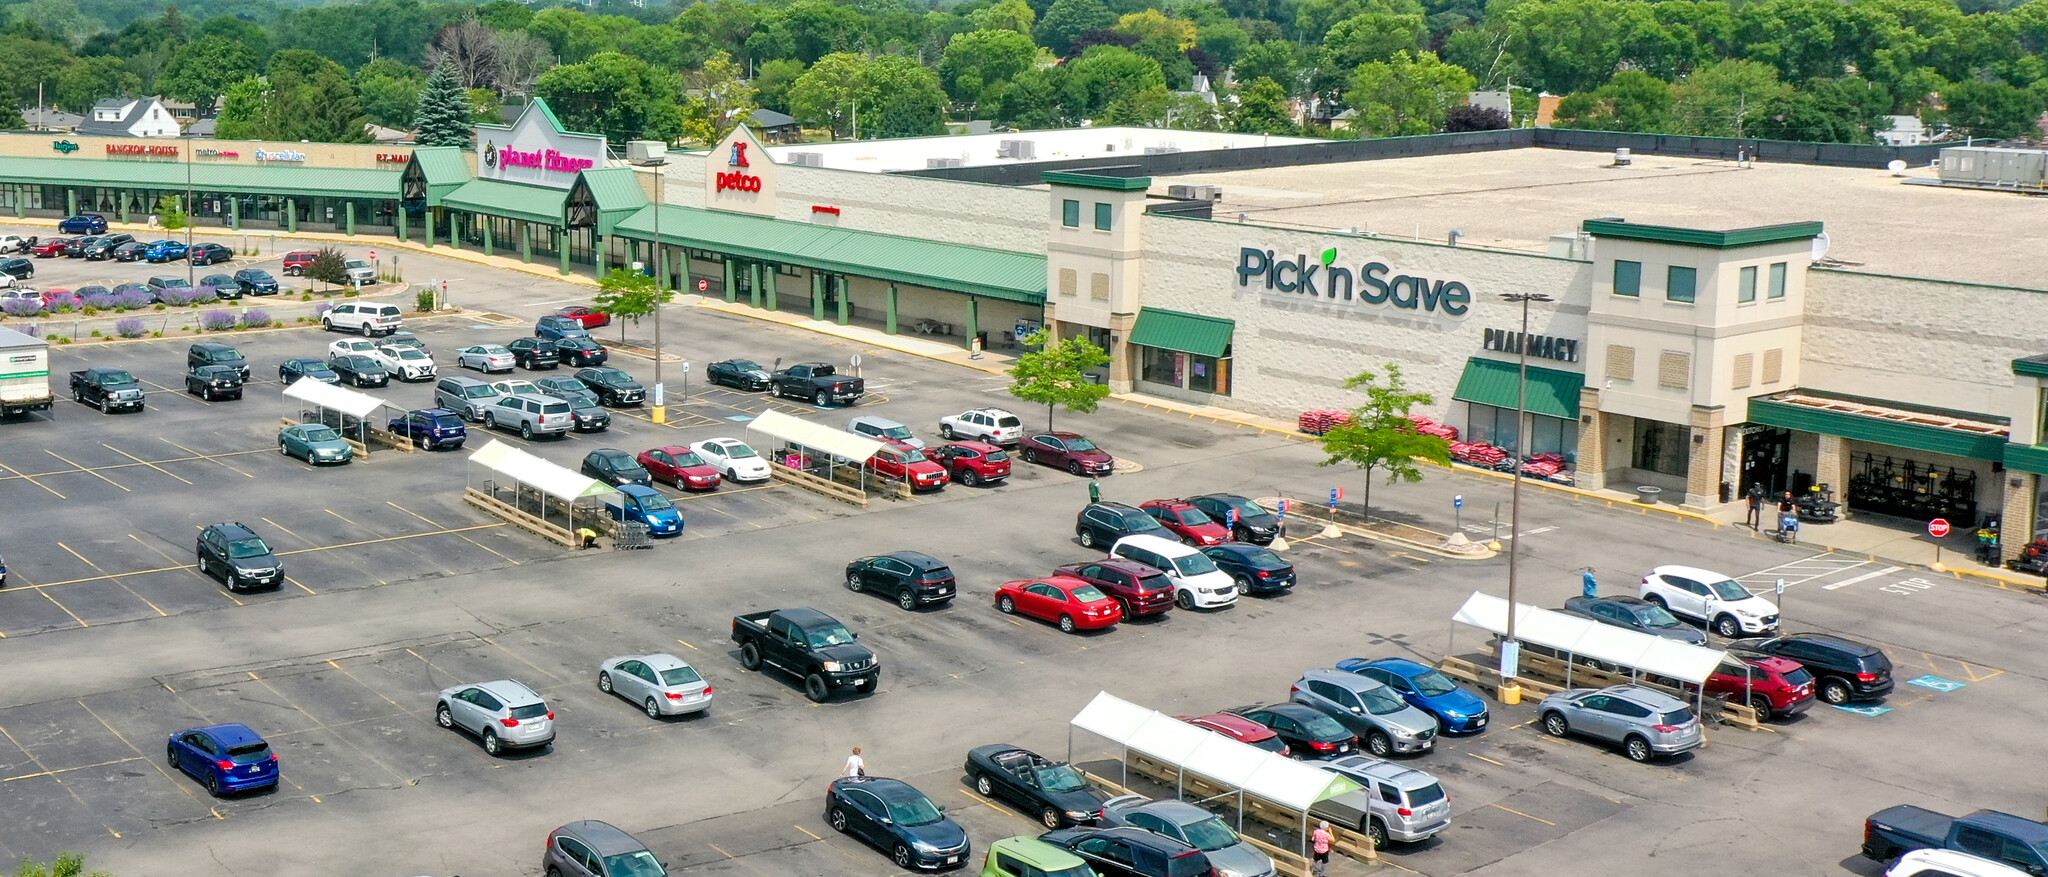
x,y
239,557
211,382
579,350
105,246
913,578
1254,523
216,353
534,353
1102,523
1131,852
1847,670
19,269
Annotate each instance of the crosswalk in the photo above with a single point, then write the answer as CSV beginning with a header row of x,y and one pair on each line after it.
x,y
1833,572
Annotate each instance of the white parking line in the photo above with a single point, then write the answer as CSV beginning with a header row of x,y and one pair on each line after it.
x,y
1864,577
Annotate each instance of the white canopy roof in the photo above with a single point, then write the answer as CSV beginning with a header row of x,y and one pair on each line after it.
x,y
815,436
517,465
1214,756
333,398
1585,637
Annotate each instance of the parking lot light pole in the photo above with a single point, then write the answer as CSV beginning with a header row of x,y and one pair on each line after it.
x,y
187,206
659,414
1510,689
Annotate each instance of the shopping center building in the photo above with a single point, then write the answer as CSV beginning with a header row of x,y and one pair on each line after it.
x,y
1701,325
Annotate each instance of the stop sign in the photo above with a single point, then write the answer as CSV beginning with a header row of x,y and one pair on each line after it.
x,y
1937,527
703,285
373,254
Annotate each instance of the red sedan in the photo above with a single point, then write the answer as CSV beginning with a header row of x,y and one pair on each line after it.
x,y
589,317
1072,603
1241,729
51,247
1191,524
680,467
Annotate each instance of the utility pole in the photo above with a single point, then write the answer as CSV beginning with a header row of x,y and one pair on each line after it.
x,y
1510,689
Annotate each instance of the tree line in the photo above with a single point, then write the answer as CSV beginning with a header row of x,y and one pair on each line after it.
x,y
1824,70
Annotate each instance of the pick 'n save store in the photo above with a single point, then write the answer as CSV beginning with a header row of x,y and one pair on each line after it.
x,y
1698,361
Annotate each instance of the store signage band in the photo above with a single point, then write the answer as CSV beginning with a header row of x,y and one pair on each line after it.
x,y
1379,285
64,146
738,181
216,153
393,157
1539,346
279,155
140,149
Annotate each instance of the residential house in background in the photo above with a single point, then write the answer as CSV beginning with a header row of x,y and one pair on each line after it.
x,y
1904,131
777,127
50,119
130,117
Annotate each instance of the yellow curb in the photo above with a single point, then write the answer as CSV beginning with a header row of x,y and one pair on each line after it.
x,y
2000,579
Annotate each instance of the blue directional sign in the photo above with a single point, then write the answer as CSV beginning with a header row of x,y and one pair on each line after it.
x,y
1937,683
1458,502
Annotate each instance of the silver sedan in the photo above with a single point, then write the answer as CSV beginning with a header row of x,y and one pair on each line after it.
x,y
486,358
1647,723
663,685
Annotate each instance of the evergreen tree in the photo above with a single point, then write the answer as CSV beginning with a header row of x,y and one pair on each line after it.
x,y
444,114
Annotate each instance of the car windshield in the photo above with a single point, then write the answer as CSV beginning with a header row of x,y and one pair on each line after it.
x,y
253,547
1060,778
121,377
917,811
746,365
1009,422
409,353
822,637
1271,744
530,711
1655,616
1076,871
256,275
739,452
1321,726
680,676
689,458
555,408
1087,594
172,282
611,374
249,753
935,575
493,350
1210,834
1261,557
356,263
1194,564
1078,443
913,455
638,863
1139,521
1431,683
1382,701
1678,716
478,392
656,503
322,434
1728,589
1798,677
228,355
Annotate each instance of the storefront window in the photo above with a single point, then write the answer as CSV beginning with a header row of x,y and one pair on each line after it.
x,y
1746,288
1660,447
1777,280
1207,374
1070,213
1102,216
1547,435
1162,366
1628,277
1681,283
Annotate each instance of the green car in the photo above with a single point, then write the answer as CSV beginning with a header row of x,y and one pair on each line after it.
x,y
1017,856
314,443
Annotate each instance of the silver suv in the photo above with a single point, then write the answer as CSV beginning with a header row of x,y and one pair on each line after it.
x,y
468,397
1376,713
503,714
531,414
1193,826
1645,722
598,849
1399,803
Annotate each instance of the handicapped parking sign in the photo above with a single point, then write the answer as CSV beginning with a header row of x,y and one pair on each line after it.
x,y
1937,683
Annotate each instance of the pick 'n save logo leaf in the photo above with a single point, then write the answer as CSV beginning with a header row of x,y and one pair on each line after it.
x,y
1329,257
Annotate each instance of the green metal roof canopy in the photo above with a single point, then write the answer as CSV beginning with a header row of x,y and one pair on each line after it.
x,y
1183,332
1956,433
516,201
601,197
1552,393
241,178
999,274
435,171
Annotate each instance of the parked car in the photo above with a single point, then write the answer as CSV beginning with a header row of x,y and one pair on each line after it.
x,y
1066,450
1949,863
1384,723
1404,805
162,282
132,251
256,281
734,458
1306,731
204,353
1630,613
913,578
598,849
589,317
1457,711
359,272
894,816
1644,722
365,319
1137,589
209,254
466,396
1253,524
640,504
1071,603
306,367
239,557
1197,583
662,684
819,382
1102,523
1241,729
503,715
992,425
580,351
1255,569
112,389
1016,856
1847,670
76,247
1710,598
486,358
1194,826
909,465
83,291
1131,852
223,286
83,223
809,645
52,247
2012,840
534,353
613,387
19,269
882,429
585,411
1775,687
166,251
214,382
679,467
227,758
739,374
530,414
431,428
297,261
104,246
138,289
348,346
1051,790
315,443
558,327
359,370
1191,524
615,467
972,463
514,386
14,243
405,363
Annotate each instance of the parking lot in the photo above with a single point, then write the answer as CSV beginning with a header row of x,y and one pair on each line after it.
x,y
397,589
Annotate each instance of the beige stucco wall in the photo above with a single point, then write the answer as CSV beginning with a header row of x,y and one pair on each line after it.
x,y
342,155
1922,341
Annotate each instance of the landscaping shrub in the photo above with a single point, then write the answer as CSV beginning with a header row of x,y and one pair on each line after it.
x,y
216,321
130,327
21,307
256,318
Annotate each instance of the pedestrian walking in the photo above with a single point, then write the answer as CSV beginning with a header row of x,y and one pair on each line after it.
x,y
855,766
1591,587
1756,507
1320,842
1094,490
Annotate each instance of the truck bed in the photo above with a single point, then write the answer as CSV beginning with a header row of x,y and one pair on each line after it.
x,y
753,621
1904,828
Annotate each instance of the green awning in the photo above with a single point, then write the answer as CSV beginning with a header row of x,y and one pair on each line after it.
x,y
1183,332
999,274
441,171
539,204
1552,393
259,179
1956,433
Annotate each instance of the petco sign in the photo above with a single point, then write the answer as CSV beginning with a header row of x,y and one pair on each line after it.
x,y
740,175
1373,283
535,149
738,181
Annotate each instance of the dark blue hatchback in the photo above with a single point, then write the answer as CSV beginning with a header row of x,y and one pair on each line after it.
x,y
1256,570
227,758
1458,711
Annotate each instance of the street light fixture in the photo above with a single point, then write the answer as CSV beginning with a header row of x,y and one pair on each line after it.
x,y
187,207
1510,689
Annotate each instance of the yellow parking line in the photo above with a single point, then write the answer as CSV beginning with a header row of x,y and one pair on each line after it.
x,y
180,392
184,787
301,585
288,531
692,648
344,520
802,829
67,609
31,480
160,613
515,656
450,531
142,461
359,681
160,553
1485,759
463,538
1523,815
124,488
55,771
323,726
56,779
213,457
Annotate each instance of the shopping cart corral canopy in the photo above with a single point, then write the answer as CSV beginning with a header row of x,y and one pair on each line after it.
x,y
1573,637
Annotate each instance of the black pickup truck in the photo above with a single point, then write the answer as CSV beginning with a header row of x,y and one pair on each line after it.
x,y
2000,837
809,645
818,382
112,389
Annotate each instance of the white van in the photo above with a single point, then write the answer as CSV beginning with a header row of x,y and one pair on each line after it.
x,y
1196,580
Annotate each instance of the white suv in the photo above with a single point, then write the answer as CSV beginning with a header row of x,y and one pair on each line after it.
x,y
363,319
992,425
1196,580
1715,600
404,363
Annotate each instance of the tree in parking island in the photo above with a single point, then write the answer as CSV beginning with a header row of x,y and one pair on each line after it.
x,y
629,295
1056,374
170,213
330,266
66,865
1380,435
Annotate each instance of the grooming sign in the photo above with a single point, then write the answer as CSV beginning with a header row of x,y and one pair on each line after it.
x,y
1372,282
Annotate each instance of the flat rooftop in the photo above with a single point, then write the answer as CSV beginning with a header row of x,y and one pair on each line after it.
x,y
1516,199
973,150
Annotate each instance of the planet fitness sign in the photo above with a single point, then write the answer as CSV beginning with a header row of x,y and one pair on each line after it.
x,y
537,159
1374,283
535,150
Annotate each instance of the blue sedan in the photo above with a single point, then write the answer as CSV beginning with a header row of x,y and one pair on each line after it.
x,y
165,251
84,223
227,758
1458,711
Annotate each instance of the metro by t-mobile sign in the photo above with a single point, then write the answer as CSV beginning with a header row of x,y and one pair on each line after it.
x,y
738,181
1374,283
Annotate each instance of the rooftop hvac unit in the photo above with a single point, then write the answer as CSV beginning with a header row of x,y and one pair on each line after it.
x,y
1025,150
1161,150
646,152
1195,193
807,159
944,162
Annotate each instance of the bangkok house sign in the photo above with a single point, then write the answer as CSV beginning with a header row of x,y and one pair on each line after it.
x,y
1372,283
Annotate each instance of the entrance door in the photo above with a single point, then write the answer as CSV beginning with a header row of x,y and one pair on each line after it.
x,y
1765,460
